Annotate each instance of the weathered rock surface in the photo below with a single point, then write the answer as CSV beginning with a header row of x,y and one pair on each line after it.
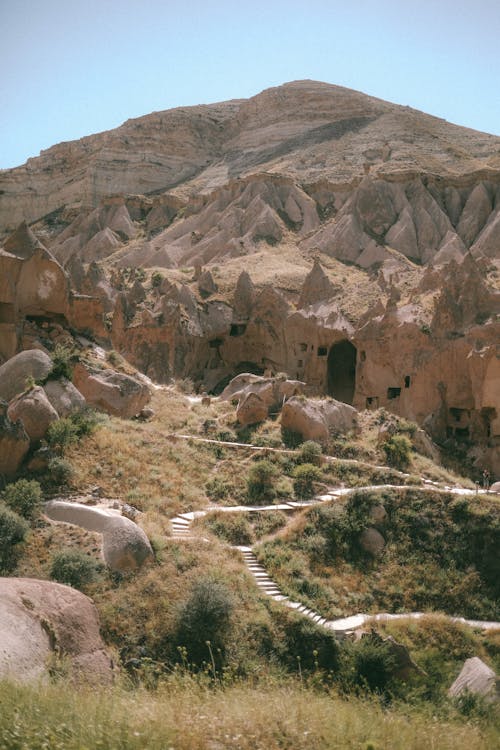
x,y
476,677
372,541
40,622
258,396
317,419
14,443
125,545
15,372
63,396
35,411
113,392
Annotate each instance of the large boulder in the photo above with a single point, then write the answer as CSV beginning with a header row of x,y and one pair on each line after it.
x,y
251,410
372,541
317,419
125,545
35,411
32,363
476,677
42,622
63,396
111,391
14,443
259,396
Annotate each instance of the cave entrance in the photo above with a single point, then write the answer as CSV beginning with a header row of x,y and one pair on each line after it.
x,y
342,371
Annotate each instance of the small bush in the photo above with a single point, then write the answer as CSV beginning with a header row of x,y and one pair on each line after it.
x,y
75,568
217,488
114,358
156,279
61,433
13,530
398,451
204,620
62,358
373,663
23,497
310,453
261,482
60,471
232,527
304,477
85,420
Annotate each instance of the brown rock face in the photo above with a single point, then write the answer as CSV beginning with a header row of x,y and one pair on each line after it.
x,y
113,392
14,444
42,621
35,411
317,420
14,373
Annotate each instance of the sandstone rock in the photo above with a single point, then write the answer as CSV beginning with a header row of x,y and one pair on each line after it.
x,y
317,419
113,392
424,445
206,284
476,677
14,444
15,372
378,514
146,414
63,396
40,622
244,296
372,541
317,286
35,411
125,545
495,487
251,410
238,384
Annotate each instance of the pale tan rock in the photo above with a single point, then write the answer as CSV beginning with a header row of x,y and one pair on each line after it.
x,y
125,545
42,622
113,392
15,372
317,286
477,678
251,410
63,396
35,411
317,419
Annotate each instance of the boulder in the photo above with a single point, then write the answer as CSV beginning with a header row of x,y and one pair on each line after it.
x,y
317,419
14,443
63,396
251,410
235,387
495,487
206,284
42,621
35,411
111,391
476,677
125,545
14,373
372,541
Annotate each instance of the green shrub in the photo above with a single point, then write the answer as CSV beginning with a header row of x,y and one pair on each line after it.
x,y
13,530
59,471
75,568
373,664
290,438
261,482
85,420
309,645
398,451
62,358
156,279
217,488
61,433
310,453
23,497
304,477
232,527
204,621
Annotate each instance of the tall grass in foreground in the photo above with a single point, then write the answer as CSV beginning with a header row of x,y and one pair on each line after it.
x,y
185,715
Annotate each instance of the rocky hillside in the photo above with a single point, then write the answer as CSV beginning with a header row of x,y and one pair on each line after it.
x,y
347,241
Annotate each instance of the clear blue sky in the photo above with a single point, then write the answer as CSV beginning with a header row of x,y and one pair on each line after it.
x,y
74,67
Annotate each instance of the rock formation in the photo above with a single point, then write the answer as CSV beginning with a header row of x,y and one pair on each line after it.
x,y
42,622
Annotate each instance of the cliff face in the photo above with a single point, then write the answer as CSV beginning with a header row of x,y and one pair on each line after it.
x,y
350,242
305,130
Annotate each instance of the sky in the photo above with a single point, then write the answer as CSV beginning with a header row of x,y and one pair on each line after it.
x,y
70,68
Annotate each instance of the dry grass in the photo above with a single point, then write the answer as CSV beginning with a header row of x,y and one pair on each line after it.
x,y
187,716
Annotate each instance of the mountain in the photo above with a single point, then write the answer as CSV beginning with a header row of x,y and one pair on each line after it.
x,y
350,242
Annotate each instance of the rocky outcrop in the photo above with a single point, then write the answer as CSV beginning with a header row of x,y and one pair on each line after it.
x,y
258,397
17,370
476,678
317,419
125,545
110,391
14,444
43,622
34,410
63,396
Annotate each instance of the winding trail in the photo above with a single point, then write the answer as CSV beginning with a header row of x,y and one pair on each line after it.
x,y
181,529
